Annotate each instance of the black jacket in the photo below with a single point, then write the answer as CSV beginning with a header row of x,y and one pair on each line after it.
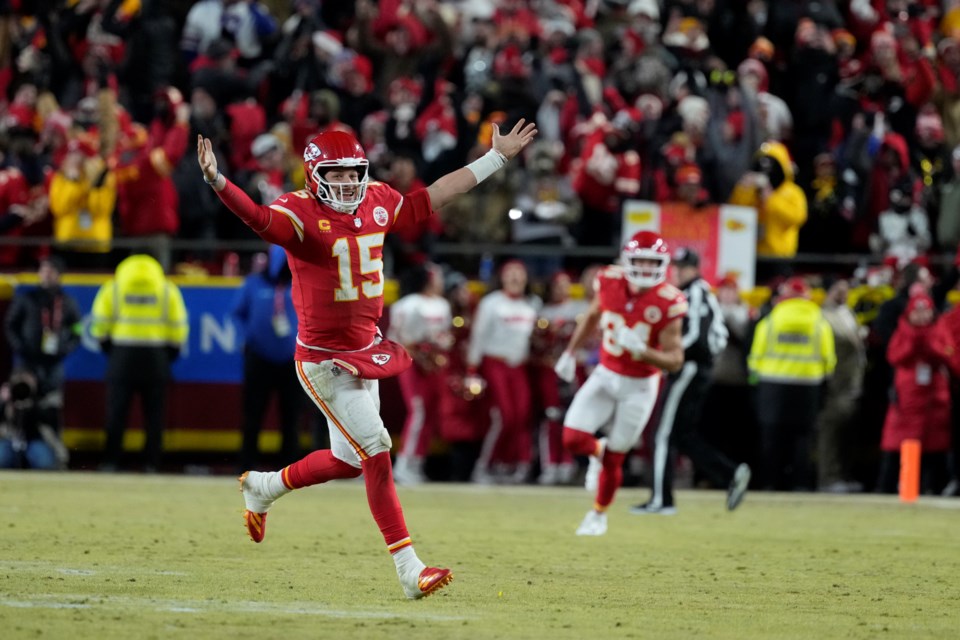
x,y
704,332
32,310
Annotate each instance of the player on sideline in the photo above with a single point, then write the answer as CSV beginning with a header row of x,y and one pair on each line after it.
x,y
641,318
333,233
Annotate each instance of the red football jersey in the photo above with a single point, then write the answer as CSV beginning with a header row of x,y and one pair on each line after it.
x,y
337,264
646,312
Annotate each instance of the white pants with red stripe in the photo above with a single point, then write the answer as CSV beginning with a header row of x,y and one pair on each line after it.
x,y
352,408
619,404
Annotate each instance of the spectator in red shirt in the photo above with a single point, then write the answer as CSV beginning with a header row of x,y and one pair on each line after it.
x,y
607,173
923,356
146,196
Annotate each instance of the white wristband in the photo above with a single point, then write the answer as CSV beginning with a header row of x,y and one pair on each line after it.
x,y
486,165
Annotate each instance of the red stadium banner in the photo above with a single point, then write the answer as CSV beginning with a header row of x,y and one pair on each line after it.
x,y
725,236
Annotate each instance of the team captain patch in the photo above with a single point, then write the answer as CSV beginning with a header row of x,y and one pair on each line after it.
x,y
652,315
380,216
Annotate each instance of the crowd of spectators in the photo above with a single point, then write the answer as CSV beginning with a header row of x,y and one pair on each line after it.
x,y
838,120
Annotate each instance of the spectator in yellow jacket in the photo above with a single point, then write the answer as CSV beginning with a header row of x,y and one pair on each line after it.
x,y
83,193
781,204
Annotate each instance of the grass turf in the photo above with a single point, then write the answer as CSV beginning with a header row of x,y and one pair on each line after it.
x,y
128,556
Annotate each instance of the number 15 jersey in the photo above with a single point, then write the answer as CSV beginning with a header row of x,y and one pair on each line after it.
x,y
646,312
337,264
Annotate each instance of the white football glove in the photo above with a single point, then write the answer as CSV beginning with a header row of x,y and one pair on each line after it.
x,y
566,367
630,340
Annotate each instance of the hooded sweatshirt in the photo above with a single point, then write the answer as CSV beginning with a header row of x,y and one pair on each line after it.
x,y
783,212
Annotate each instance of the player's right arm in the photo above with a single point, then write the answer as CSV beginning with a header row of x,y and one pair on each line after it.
x,y
566,365
585,327
270,224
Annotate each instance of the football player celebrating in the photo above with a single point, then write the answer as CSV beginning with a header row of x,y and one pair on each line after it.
x,y
640,317
333,233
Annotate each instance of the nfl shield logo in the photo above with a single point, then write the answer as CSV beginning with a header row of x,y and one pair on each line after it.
x,y
380,358
380,216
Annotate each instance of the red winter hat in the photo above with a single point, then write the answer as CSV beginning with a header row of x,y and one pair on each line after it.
x,y
509,62
728,281
919,300
363,66
795,287
689,174
929,123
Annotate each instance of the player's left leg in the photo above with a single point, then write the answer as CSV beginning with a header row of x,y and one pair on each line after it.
x,y
352,406
592,407
636,398
261,489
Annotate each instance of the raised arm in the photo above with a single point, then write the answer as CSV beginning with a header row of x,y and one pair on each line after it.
x,y
505,148
271,225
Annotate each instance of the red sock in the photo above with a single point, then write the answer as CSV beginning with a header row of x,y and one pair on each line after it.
x,y
314,468
383,501
579,443
611,477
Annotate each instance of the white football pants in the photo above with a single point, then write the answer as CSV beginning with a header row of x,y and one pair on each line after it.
x,y
620,405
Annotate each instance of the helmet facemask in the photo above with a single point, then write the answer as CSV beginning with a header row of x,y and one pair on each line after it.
x,y
646,274
334,193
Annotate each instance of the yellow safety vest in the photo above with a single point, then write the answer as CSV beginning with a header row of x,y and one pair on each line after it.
x,y
140,307
793,345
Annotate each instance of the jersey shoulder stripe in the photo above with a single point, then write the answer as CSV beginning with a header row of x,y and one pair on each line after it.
x,y
611,272
294,219
669,292
677,309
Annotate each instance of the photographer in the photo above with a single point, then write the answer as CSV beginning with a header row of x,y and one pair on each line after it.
x,y
26,440
41,329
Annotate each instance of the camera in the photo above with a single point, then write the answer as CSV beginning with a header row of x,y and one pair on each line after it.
x,y
20,391
22,388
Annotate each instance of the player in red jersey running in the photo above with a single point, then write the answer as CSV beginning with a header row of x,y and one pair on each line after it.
x,y
333,233
641,318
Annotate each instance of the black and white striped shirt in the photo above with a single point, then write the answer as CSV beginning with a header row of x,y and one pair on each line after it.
x,y
704,332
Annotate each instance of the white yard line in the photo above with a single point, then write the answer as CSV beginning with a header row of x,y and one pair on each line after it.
x,y
42,566
77,601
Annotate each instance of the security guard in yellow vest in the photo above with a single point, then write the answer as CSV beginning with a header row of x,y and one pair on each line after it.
x,y
793,353
141,323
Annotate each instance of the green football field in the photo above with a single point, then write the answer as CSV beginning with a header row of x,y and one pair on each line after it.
x,y
129,556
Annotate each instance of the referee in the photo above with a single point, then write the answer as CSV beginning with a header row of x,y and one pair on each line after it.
x,y
704,336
